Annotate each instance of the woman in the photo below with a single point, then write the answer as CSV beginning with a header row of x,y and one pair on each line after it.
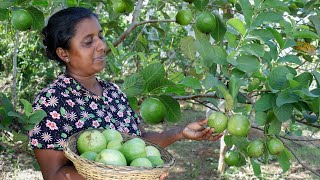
x,y
78,100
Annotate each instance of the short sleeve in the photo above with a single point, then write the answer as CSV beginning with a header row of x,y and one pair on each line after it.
x,y
52,131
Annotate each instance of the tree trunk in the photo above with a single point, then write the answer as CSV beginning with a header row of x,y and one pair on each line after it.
x,y
223,149
14,78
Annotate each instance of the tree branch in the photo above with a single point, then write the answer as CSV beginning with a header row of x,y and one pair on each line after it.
x,y
308,124
131,28
204,104
295,139
192,97
136,11
302,164
134,24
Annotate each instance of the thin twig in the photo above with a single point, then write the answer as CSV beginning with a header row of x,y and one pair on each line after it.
x,y
302,164
136,11
202,103
192,97
308,124
123,36
294,139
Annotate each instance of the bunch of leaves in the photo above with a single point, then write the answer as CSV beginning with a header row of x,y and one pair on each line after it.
x,y
18,123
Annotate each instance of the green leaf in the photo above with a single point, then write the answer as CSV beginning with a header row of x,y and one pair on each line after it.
x,y
316,22
291,59
177,89
4,4
286,97
284,112
316,74
305,94
237,25
289,43
304,79
20,137
284,161
133,85
277,36
128,56
208,81
27,107
129,5
228,99
113,50
260,34
234,86
192,82
37,16
187,46
200,4
6,103
240,142
37,116
4,14
253,49
220,30
228,140
277,78
310,118
274,127
211,54
153,72
265,102
266,18
254,84
276,4
133,103
248,64
5,119
159,85
261,118
173,108
42,3
247,11
28,127
256,167
305,34
273,52
18,115
232,39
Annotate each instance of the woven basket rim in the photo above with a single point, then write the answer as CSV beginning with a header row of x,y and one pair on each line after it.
x,y
81,162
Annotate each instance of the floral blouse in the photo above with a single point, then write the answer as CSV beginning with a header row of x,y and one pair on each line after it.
x,y
71,108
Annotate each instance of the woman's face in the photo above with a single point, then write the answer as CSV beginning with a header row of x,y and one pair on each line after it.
x,y
87,48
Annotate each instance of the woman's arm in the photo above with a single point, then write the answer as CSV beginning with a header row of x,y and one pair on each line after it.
x,y
193,131
54,165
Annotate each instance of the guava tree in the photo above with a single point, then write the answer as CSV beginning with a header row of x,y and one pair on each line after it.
x,y
254,61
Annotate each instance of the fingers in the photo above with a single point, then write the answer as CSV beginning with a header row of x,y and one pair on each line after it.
x,y
216,137
202,122
207,133
164,175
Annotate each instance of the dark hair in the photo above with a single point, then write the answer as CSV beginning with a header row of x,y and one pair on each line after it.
x,y
61,28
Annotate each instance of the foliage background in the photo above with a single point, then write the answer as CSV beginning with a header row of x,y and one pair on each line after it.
x,y
236,60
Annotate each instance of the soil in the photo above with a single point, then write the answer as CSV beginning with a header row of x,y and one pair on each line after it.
x,y
194,160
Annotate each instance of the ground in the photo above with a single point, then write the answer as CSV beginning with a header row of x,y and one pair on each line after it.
x,y
194,160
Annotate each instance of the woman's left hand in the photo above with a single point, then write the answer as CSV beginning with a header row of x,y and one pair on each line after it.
x,y
197,131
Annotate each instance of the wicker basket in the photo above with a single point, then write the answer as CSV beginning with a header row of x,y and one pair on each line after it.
x,y
95,170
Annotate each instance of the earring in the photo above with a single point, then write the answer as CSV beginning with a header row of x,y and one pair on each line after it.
x,y
67,60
